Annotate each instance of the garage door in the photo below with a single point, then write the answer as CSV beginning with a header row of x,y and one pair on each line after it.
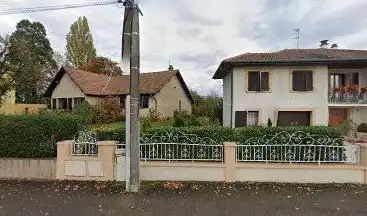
x,y
294,118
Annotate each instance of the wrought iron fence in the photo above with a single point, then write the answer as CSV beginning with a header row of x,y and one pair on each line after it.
x,y
85,144
298,147
179,146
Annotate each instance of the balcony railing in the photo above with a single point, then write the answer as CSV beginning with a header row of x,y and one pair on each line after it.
x,y
344,97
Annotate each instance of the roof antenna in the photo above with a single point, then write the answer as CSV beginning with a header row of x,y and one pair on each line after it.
x,y
296,36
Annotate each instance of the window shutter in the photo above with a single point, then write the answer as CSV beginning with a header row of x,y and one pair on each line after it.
x,y
240,119
309,80
296,80
253,81
264,81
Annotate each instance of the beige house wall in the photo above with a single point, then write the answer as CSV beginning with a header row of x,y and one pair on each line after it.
x,y
169,97
67,89
280,96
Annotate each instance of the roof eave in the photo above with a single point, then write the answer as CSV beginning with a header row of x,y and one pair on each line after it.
x,y
225,66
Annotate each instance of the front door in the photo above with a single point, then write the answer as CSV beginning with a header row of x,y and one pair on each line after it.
x,y
337,116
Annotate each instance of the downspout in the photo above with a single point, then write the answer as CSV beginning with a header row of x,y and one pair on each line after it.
x,y
231,121
155,103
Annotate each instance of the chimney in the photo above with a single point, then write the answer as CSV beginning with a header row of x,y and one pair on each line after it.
x,y
170,67
324,43
334,46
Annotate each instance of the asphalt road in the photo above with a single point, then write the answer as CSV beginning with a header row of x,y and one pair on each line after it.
x,y
75,198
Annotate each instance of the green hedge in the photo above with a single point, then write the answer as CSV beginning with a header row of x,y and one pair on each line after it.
x,y
35,136
221,134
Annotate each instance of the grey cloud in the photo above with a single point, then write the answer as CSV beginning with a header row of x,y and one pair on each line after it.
x,y
189,32
186,15
278,25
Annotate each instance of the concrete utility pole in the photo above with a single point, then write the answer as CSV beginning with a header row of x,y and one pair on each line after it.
x,y
131,65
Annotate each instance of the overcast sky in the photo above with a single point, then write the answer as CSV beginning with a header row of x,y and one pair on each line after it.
x,y
195,35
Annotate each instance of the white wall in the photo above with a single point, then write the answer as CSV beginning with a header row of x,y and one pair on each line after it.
x,y
67,89
227,83
281,96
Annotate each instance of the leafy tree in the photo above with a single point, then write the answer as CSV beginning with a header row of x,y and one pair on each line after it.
x,y
102,65
6,75
79,43
210,105
31,60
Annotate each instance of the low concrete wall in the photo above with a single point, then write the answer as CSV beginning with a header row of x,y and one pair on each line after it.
x,y
182,171
300,173
28,168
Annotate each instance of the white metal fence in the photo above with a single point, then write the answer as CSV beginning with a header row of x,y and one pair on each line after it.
x,y
179,146
298,147
85,144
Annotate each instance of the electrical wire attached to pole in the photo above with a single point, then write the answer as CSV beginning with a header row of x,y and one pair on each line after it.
x,y
56,7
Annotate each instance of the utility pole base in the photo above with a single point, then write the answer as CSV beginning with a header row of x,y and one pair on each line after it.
x,y
133,189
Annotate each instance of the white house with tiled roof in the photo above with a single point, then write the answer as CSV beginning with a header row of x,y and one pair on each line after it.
x,y
294,87
163,91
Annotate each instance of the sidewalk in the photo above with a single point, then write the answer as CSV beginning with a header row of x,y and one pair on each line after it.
x,y
27,198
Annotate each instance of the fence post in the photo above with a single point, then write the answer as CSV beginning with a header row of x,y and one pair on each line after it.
x,y
230,161
106,155
363,160
63,154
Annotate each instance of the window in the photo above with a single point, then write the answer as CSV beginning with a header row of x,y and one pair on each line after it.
x,y
337,80
53,103
62,103
122,101
78,101
302,81
144,101
294,118
246,118
258,81
179,106
69,104
355,78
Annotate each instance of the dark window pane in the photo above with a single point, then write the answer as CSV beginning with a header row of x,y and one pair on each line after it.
x,y
355,79
264,81
240,119
144,101
53,103
253,81
302,81
69,104
309,80
294,118
122,101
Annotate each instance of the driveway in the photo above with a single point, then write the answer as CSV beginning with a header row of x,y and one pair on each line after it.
x,y
30,198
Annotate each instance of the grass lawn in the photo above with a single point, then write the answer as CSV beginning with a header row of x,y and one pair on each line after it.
x,y
116,125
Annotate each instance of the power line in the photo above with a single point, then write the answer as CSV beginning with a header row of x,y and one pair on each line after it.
x,y
55,7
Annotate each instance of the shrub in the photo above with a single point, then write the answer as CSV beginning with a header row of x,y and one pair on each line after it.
x,y
145,124
362,128
86,112
35,136
108,111
154,115
182,119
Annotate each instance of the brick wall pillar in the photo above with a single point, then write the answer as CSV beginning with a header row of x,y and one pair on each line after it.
x,y
106,155
230,161
363,160
63,154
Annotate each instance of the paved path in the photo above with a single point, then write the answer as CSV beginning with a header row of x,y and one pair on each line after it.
x,y
69,199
